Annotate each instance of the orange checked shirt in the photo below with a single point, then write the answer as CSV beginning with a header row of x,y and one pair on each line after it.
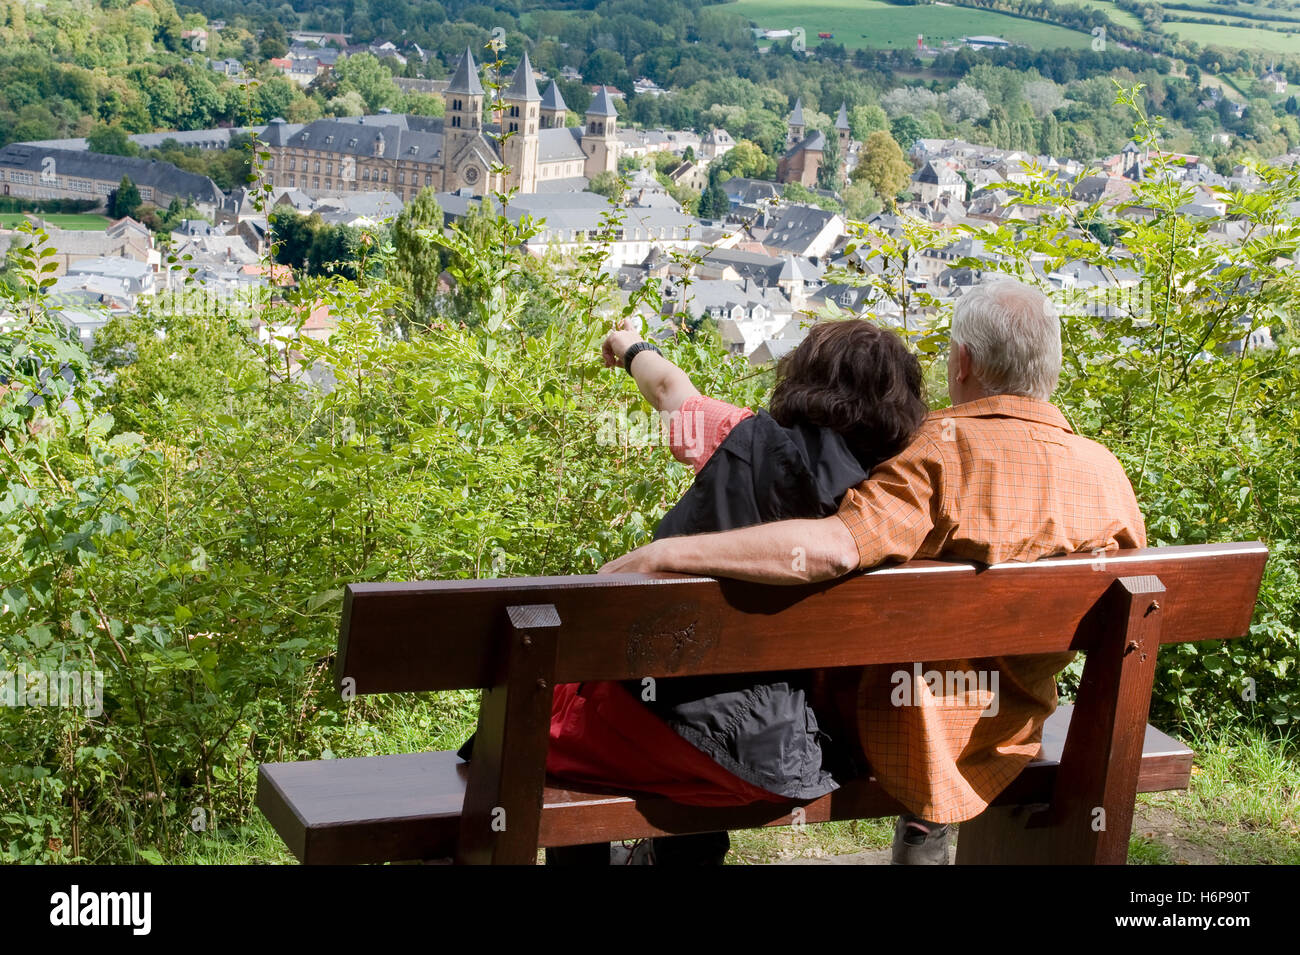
x,y
1002,478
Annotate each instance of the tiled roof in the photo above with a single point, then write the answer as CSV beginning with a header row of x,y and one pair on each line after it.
x,y
551,99
466,80
602,104
157,175
523,86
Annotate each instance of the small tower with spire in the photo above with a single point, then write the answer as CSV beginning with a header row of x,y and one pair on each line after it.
x,y
554,111
845,136
598,138
796,124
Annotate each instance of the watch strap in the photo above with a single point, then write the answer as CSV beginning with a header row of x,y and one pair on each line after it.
x,y
636,349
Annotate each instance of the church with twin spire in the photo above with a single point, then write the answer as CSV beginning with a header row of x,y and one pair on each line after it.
x,y
460,150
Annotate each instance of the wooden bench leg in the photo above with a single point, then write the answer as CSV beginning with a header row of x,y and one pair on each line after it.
x,y
1091,814
503,795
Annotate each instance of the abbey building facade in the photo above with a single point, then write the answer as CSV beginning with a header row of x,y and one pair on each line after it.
x,y
405,153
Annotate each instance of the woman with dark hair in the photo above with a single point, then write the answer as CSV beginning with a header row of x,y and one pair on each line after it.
x,y
846,399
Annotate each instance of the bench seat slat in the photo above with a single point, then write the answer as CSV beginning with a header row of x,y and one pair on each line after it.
x,y
389,808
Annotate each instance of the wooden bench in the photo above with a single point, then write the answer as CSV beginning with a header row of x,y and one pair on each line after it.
x,y
517,638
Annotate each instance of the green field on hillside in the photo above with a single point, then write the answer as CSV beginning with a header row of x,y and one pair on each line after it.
x,y
1117,16
1210,34
1283,12
85,222
878,25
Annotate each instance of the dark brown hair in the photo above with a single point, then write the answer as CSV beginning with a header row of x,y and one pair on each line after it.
x,y
857,379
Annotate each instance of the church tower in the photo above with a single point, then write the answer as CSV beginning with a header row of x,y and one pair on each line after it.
x,y
795,124
845,134
554,110
520,121
598,139
462,124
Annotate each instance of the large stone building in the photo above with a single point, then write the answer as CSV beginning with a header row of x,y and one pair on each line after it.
x,y
403,154
44,172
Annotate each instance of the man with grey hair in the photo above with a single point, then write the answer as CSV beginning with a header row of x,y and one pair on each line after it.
x,y
998,476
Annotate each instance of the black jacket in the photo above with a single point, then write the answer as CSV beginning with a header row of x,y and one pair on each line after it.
x,y
758,726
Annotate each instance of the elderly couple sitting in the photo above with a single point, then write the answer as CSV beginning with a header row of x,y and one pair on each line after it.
x,y
847,470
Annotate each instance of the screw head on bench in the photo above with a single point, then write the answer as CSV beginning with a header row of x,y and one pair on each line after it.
x,y
541,684
527,640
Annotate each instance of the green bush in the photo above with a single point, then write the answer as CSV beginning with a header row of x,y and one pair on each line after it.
x,y
188,528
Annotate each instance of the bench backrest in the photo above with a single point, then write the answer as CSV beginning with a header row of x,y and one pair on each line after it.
x,y
516,639
446,635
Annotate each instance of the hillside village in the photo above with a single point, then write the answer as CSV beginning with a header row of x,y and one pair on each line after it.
x,y
765,268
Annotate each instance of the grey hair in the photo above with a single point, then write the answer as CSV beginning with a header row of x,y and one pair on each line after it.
x,y
1014,337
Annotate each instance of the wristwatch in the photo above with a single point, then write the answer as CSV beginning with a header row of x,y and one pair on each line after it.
x,y
635,350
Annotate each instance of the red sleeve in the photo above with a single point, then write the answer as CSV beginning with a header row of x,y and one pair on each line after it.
x,y
699,426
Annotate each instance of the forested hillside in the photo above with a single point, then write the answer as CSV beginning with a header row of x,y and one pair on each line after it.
x,y
77,67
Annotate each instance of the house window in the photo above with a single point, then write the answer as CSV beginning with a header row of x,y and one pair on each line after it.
x,y
455,121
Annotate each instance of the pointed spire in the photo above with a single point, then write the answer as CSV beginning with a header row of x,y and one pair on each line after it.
x,y
796,118
465,80
523,86
552,100
842,120
602,104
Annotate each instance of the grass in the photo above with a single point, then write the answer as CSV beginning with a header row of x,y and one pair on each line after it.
x,y
83,221
879,25
1117,16
1242,36
1233,10
1244,803
252,843
1209,34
